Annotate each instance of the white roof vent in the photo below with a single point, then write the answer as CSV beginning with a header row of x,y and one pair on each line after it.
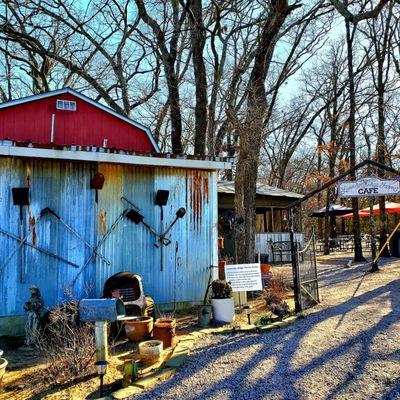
x,y
66,105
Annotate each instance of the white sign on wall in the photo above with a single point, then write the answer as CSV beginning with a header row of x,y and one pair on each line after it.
x,y
244,277
370,186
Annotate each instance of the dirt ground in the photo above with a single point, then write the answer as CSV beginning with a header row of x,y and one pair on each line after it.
x,y
348,347
24,363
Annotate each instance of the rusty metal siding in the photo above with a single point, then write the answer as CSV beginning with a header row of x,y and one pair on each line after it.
x,y
64,187
189,189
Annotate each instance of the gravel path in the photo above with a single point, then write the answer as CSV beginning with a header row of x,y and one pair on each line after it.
x,y
346,348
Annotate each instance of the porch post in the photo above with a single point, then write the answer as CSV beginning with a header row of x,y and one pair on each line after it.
x,y
295,264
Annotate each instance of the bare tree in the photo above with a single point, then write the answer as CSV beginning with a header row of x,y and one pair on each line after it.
x,y
380,34
95,42
252,131
198,41
169,58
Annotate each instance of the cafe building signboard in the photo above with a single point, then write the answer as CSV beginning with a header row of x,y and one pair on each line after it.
x,y
369,186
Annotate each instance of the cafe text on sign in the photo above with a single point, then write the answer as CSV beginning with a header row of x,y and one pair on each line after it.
x,y
369,186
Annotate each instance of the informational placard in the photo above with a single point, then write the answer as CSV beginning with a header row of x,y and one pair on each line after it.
x,y
244,277
369,186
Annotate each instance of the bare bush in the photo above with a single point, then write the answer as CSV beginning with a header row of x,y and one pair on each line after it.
x,y
276,292
66,344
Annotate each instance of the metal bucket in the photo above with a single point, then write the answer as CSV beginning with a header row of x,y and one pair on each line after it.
x,y
204,314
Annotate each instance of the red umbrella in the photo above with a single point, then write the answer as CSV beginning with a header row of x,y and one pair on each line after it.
x,y
390,207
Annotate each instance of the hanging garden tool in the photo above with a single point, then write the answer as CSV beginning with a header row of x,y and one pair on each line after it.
x,y
127,201
75,233
161,201
162,240
20,199
103,239
138,218
24,241
39,249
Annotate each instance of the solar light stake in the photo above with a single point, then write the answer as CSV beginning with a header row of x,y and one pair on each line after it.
x,y
247,309
101,370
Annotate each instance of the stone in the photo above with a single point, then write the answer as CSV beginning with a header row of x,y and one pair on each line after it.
x,y
182,349
280,324
187,338
246,328
126,393
177,360
152,379
292,319
265,328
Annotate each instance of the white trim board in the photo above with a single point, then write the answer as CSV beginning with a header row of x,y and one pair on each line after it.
x,y
12,151
81,96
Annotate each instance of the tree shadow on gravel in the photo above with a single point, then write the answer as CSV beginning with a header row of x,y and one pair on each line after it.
x,y
283,381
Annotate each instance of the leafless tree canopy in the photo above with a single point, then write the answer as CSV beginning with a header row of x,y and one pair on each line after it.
x,y
295,91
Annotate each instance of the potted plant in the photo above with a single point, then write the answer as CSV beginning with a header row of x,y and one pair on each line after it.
x,y
222,301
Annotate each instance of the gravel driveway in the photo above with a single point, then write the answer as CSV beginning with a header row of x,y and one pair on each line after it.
x,y
346,348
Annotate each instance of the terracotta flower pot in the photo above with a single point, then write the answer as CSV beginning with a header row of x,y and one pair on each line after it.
x,y
164,330
221,269
139,329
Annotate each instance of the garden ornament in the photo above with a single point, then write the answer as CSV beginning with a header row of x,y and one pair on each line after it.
x,y
33,307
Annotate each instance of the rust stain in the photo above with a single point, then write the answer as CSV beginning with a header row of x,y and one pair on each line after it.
x,y
28,176
103,222
205,189
196,198
32,222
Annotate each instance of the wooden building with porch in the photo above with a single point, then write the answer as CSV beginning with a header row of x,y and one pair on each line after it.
x,y
271,218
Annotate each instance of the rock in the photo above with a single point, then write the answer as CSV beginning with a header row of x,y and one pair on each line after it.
x,y
152,379
177,360
126,393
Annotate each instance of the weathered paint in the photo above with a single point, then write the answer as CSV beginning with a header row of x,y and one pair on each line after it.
x,y
64,187
193,233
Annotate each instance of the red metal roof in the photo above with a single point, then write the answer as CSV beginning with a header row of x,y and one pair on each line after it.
x,y
36,119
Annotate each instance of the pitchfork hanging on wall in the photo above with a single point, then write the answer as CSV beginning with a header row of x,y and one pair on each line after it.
x,y
161,200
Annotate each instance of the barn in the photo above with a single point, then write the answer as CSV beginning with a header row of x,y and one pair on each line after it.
x,y
74,177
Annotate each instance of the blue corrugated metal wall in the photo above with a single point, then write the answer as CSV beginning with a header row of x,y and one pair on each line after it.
x,y
64,187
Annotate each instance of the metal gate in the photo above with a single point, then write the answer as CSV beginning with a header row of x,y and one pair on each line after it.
x,y
308,276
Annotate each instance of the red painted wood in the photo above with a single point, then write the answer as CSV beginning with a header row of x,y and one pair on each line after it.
x,y
87,126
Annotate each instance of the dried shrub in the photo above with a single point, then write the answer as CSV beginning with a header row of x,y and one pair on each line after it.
x,y
66,344
276,292
221,289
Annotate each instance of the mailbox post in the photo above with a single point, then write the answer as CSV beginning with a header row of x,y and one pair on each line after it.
x,y
101,311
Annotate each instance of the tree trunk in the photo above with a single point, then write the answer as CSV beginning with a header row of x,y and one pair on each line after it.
x,y
358,252
198,40
319,195
381,156
251,132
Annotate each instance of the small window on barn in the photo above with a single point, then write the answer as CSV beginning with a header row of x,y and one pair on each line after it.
x,y
66,105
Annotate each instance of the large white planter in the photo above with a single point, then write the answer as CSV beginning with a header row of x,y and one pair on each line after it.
x,y
223,309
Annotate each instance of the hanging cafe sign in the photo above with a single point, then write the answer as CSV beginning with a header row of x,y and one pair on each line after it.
x,y
369,186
